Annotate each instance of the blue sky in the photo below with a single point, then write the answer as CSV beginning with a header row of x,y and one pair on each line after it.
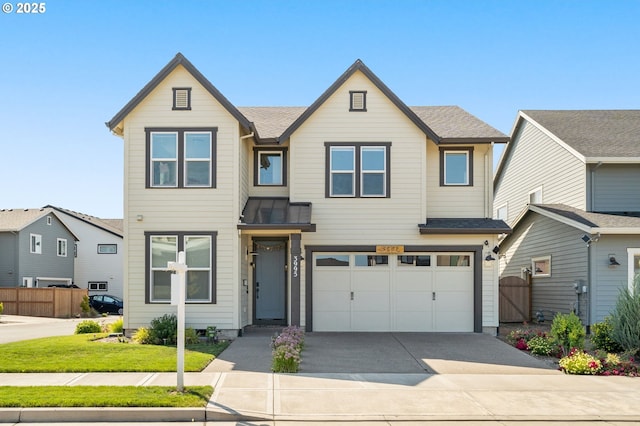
x,y
65,72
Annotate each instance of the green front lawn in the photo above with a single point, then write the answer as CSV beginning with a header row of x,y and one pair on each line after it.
x,y
103,396
82,353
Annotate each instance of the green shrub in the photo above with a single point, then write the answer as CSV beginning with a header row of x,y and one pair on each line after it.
x,y
117,326
1,308
541,345
164,330
580,362
191,336
625,320
142,336
601,336
87,327
568,332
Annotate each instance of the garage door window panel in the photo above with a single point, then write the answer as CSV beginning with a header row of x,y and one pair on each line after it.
x,y
332,260
454,260
371,260
418,260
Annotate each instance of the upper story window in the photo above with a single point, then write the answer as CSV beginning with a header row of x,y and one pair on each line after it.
x,y
535,196
456,166
269,167
49,220
357,169
35,246
358,100
181,98
501,213
107,248
61,247
181,158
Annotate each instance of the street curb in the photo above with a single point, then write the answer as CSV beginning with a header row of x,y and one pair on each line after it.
x,y
101,414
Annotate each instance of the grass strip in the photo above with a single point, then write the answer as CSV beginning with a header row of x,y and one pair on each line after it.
x,y
103,396
85,353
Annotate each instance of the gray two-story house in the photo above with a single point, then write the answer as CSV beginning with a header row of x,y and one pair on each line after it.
x,y
36,249
568,183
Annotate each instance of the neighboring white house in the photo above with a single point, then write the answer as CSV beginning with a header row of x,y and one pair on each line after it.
x,y
568,184
357,213
98,253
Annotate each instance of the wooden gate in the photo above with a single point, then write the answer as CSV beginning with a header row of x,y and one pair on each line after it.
x,y
515,300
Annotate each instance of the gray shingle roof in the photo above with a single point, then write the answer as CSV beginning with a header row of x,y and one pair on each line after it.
x,y
593,220
270,122
464,226
594,133
453,123
14,220
114,226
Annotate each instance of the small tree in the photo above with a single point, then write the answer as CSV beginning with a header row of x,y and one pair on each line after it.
x,y
626,318
1,308
568,332
84,305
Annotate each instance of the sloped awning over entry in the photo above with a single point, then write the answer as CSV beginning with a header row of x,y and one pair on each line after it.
x,y
464,226
265,213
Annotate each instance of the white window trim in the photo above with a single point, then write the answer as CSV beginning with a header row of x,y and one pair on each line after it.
x,y
37,249
533,267
49,220
153,160
466,154
352,172
382,172
95,285
540,189
161,268
63,252
631,253
196,160
273,153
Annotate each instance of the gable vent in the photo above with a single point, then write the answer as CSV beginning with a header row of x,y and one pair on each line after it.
x,y
358,101
182,98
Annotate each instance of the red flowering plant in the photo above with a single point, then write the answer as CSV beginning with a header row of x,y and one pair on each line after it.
x,y
617,365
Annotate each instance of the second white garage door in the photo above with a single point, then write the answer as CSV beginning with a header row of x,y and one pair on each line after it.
x,y
370,292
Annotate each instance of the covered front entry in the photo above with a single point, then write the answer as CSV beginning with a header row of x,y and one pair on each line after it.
x,y
394,292
270,281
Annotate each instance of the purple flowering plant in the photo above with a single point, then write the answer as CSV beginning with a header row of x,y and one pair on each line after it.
x,y
287,347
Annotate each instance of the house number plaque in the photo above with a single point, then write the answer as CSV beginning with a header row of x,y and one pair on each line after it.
x,y
389,249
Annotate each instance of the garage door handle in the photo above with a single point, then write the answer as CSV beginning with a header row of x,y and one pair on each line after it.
x,y
433,295
351,295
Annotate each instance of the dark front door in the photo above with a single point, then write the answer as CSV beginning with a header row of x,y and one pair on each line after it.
x,y
270,289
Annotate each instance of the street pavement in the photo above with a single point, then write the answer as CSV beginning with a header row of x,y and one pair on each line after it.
x,y
368,378
14,328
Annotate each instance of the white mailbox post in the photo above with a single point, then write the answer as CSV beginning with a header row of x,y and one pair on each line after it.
x,y
178,295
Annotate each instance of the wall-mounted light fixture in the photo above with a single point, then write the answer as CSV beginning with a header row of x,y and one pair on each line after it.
x,y
489,258
612,260
139,218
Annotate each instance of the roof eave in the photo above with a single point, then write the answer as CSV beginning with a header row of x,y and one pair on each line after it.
x,y
311,227
424,230
481,140
179,59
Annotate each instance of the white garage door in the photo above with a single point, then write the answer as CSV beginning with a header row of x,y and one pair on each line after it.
x,y
370,292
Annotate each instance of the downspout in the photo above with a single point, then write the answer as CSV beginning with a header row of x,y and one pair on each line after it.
x,y
250,135
488,177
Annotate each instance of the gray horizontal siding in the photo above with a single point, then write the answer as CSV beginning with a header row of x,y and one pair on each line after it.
x,y
540,236
608,281
536,160
615,188
8,260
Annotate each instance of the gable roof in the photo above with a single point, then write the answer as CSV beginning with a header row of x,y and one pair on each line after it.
x,y
179,59
453,124
112,226
608,136
15,220
270,122
592,223
358,65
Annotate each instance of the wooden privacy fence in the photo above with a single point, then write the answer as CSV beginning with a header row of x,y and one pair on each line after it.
x,y
515,300
54,302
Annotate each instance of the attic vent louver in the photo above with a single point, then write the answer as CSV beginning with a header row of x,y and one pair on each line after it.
x,y
181,98
358,101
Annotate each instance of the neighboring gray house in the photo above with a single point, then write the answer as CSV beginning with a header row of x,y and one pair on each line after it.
x,y
568,184
36,249
99,260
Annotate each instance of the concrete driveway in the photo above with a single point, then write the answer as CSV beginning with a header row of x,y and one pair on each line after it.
x,y
393,353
